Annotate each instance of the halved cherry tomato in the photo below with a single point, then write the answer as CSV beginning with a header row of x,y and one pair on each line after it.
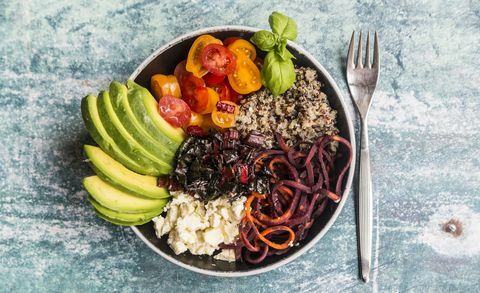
x,y
230,40
174,110
163,85
194,92
213,99
212,79
208,124
246,77
225,114
189,83
194,64
217,59
180,71
196,119
243,47
226,92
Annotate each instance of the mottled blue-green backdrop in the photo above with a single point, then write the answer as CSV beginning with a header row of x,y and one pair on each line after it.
x,y
424,131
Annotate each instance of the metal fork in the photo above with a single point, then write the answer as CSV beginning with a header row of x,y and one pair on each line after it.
x,y
362,80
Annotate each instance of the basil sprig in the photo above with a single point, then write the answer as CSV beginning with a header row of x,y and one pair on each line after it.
x,y
278,72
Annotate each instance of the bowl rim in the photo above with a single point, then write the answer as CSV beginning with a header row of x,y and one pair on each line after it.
x,y
351,171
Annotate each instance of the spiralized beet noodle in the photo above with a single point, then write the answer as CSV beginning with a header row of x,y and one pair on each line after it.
x,y
301,185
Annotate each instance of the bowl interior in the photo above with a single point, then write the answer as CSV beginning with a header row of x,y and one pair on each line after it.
x,y
164,63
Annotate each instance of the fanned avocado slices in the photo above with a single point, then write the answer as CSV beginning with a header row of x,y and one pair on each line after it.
x,y
136,146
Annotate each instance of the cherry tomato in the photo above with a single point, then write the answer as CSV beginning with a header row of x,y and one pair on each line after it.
x,y
243,47
213,99
180,71
194,93
230,40
217,59
196,119
174,110
208,124
225,114
226,92
246,77
194,64
163,85
212,79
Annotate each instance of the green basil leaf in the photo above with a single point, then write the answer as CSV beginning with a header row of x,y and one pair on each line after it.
x,y
282,50
264,40
278,75
283,25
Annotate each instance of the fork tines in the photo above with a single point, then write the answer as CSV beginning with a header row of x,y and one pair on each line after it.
x,y
360,64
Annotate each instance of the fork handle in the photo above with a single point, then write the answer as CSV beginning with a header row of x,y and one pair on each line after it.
x,y
365,205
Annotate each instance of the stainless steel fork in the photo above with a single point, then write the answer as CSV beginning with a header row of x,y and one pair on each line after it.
x,y
362,80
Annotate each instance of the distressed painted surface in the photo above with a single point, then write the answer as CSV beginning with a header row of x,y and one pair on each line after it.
x,y
424,131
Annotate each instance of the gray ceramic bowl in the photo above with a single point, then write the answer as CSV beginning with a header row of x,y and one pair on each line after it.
x,y
163,61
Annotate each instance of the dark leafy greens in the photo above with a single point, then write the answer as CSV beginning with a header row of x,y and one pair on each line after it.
x,y
219,164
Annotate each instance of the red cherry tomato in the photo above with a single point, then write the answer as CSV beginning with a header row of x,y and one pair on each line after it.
x,y
226,93
180,71
230,40
212,79
194,93
217,59
174,110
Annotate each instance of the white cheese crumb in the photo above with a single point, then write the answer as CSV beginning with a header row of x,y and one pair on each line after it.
x,y
200,228
226,255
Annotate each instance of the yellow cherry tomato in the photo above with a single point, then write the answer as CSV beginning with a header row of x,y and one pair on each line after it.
x,y
196,119
207,123
213,99
243,47
194,64
225,114
163,85
246,77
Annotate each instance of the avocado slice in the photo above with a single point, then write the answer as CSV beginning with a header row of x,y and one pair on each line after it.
x,y
145,108
153,165
120,222
119,100
96,129
120,201
130,218
117,175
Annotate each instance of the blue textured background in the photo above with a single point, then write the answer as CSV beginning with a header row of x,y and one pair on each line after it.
x,y
424,131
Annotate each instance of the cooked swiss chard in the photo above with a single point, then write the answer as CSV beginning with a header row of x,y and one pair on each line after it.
x,y
219,163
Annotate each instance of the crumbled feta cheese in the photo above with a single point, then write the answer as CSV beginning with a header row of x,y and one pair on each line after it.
x,y
200,228
230,231
213,236
226,255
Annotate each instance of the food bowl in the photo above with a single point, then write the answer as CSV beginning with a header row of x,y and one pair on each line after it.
x,y
163,61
